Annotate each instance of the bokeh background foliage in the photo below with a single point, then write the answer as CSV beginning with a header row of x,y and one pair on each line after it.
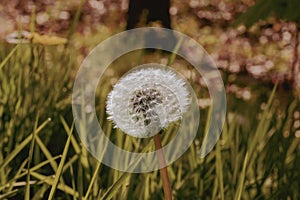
x,y
257,156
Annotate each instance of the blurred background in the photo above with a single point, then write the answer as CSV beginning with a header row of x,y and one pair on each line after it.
x,y
255,45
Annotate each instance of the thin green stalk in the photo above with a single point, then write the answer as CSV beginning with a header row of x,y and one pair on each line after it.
x,y
60,167
27,190
6,59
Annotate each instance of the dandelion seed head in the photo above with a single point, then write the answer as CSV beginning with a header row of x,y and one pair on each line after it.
x,y
147,100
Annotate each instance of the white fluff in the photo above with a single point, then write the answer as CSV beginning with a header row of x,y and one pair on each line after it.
x,y
147,100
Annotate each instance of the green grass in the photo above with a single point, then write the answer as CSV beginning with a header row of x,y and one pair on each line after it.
x,y
41,157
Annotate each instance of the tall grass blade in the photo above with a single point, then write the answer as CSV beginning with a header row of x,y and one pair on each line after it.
x,y
73,181
50,181
242,179
60,167
11,183
6,59
92,181
19,147
46,152
74,143
19,175
31,148
76,19
122,179
202,151
173,55
9,194
219,167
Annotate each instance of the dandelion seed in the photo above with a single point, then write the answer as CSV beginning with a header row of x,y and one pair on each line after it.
x,y
16,37
147,100
26,37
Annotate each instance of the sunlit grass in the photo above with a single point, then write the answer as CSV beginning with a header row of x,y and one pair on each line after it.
x,y
257,156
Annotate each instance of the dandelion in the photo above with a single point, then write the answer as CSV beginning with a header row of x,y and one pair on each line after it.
x,y
145,101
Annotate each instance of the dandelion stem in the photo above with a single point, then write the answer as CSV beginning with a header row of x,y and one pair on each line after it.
x,y
163,168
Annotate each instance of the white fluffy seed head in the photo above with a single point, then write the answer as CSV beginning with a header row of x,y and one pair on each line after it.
x,y
147,100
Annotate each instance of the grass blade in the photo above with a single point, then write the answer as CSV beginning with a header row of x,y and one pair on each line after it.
x,y
122,179
76,19
8,194
219,168
31,148
174,53
19,175
73,140
11,184
242,179
60,167
18,148
46,152
73,181
92,181
9,56
50,181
